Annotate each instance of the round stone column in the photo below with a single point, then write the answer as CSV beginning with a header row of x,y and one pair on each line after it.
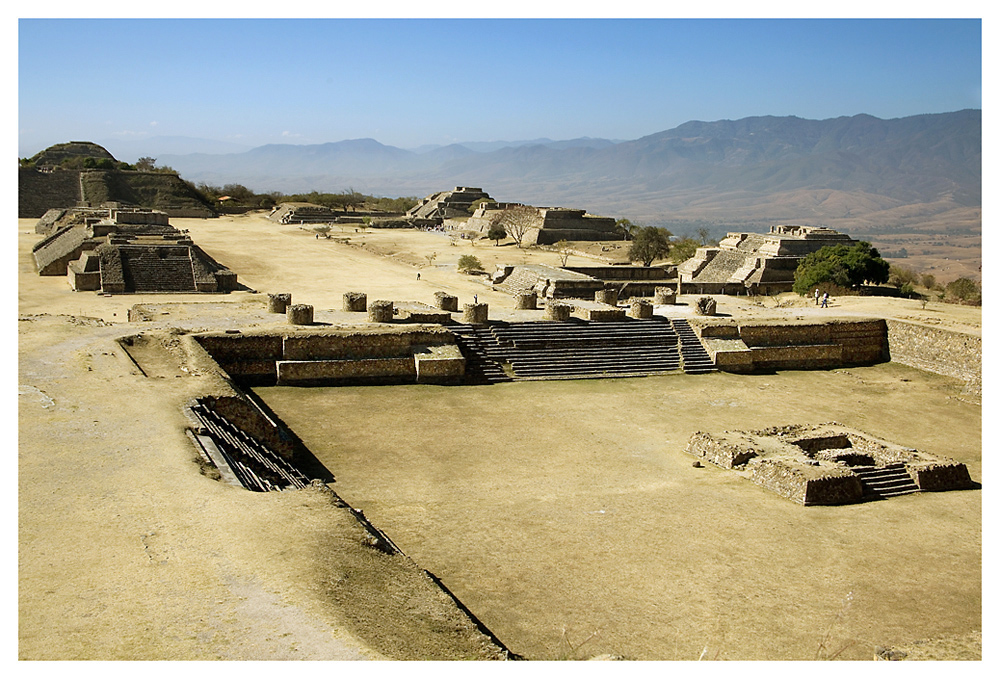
x,y
478,313
380,311
664,295
355,301
277,303
606,296
641,309
558,311
446,302
526,300
300,314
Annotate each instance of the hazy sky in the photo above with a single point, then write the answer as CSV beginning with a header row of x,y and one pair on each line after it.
x,y
435,81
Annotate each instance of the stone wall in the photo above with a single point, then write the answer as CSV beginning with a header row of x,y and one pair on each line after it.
x,y
338,356
944,352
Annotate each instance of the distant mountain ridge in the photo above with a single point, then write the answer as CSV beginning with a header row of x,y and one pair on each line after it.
x,y
759,168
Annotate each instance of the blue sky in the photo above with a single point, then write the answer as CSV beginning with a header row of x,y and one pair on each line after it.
x,y
435,81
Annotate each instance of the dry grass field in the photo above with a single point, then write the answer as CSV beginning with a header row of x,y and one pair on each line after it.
x,y
564,515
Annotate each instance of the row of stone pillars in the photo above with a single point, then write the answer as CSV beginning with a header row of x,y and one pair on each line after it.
x,y
296,314
382,311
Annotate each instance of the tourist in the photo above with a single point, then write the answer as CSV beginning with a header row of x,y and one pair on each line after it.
x,y
816,294
826,300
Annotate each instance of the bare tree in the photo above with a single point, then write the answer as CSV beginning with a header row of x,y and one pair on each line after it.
x,y
516,221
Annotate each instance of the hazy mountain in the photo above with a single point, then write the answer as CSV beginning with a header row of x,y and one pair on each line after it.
x,y
761,168
130,150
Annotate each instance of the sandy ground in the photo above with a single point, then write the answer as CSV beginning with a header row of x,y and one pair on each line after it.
x,y
127,551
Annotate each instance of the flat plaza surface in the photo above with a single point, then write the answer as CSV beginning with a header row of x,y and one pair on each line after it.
x,y
567,517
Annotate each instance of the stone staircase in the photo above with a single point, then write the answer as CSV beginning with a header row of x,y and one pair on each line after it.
x,y
158,270
579,349
695,359
254,465
482,354
883,482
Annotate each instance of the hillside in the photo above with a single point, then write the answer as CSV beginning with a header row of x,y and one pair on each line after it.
x,y
85,174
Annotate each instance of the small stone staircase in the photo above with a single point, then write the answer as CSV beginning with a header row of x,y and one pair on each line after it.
x,y
883,482
694,358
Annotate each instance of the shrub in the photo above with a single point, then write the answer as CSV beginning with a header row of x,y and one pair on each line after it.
x,y
469,263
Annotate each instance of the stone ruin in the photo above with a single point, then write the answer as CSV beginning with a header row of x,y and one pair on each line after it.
x,y
301,213
442,205
584,282
755,263
828,464
129,250
550,224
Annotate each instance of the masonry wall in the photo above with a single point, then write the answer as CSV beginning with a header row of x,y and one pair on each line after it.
x,y
944,352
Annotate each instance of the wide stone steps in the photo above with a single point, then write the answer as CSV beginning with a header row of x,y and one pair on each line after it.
x,y
579,349
155,274
888,481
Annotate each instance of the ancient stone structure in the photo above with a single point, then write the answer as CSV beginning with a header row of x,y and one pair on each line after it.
x,y
706,306
754,346
330,357
828,464
446,204
640,308
300,314
607,296
664,295
418,312
755,263
380,311
940,351
130,250
558,311
277,302
476,313
549,224
582,282
526,300
355,301
302,213
445,301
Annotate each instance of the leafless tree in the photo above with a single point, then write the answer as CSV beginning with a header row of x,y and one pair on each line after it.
x,y
516,220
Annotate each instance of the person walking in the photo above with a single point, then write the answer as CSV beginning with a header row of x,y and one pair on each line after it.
x,y
816,295
826,300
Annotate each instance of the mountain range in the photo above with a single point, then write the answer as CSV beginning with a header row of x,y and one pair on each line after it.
x,y
842,171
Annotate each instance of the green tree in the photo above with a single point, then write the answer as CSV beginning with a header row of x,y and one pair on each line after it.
x,y
626,228
145,164
683,250
841,265
964,290
468,263
497,232
649,243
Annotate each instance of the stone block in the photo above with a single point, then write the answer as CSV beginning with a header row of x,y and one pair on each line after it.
x,y
640,308
664,295
558,311
380,311
446,302
355,301
526,300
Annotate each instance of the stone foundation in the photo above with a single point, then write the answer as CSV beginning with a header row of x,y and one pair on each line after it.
x,y
825,464
705,306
